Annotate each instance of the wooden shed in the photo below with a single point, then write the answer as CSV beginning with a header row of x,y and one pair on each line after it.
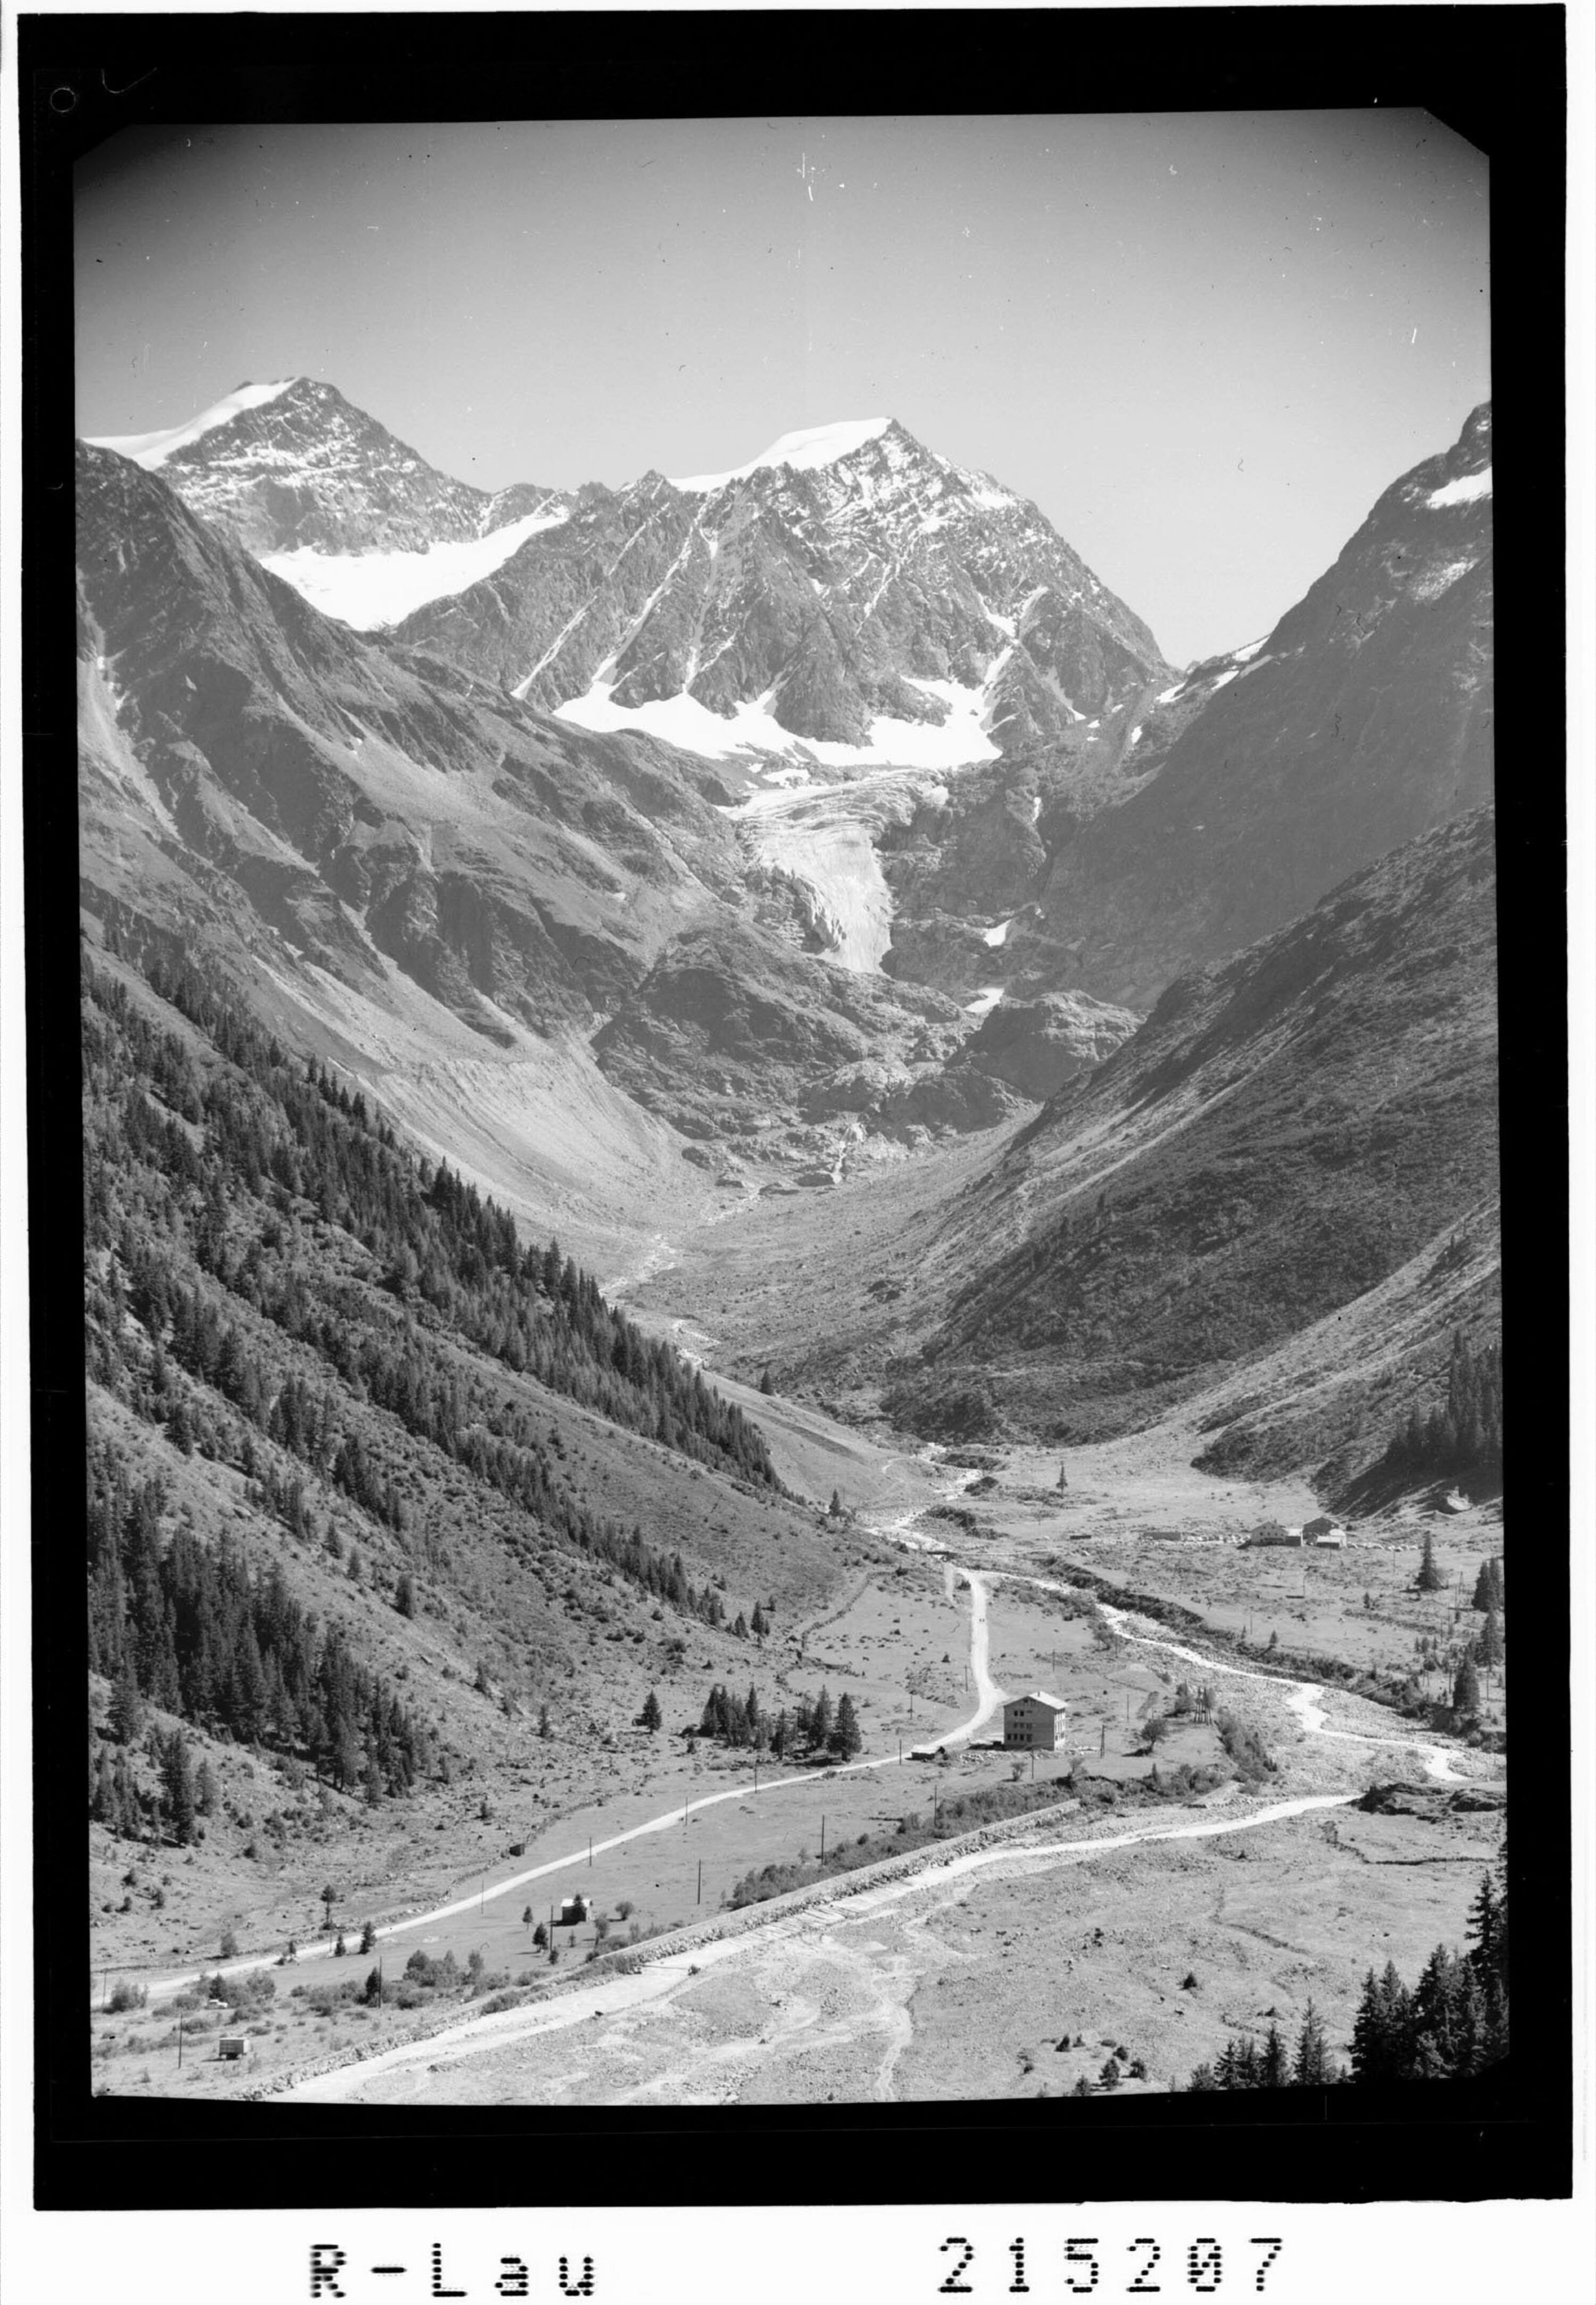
x,y
234,2045
574,1912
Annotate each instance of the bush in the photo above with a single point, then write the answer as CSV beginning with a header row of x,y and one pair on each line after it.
x,y
126,1995
1244,1746
229,1945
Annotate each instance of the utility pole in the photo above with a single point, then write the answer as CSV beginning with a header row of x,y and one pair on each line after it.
x,y
700,1881
822,1840
179,2045
590,1853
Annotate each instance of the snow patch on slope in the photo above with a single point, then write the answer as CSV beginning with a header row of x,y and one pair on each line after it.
x,y
151,449
802,452
368,589
681,720
1469,490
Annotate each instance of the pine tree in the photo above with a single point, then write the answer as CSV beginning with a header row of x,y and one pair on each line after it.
x,y
845,1739
1429,1578
1380,2030
820,1725
766,1385
1312,2066
104,1806
651,1716
126,1715
177,1787
1486,1927
1488,1648
1465,1688
1273,2070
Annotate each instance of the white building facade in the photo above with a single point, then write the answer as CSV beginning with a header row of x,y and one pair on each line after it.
x,y
1035,1723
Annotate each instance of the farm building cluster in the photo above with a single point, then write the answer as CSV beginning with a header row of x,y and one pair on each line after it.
x,y
1322,1531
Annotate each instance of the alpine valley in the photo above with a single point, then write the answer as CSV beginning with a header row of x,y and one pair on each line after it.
x,y
725,1124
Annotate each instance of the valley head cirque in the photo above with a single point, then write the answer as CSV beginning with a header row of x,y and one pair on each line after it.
x,y
729,1123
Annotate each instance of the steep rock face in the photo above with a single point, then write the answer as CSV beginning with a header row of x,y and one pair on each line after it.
x,y
855,578
289,466
349,808
1365,717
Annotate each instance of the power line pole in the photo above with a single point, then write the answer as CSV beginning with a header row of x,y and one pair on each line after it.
x,y
700,1881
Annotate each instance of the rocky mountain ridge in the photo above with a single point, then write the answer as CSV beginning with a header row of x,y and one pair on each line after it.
x,y
849,588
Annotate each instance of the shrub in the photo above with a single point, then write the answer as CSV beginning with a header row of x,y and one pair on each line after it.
x,y
1244,1746
125,1995
229,1945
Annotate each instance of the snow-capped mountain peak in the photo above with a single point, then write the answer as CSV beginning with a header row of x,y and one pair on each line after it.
x,y
328,497
152,449
802,452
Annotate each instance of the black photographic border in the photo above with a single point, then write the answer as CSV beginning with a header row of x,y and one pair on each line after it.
x,y
1494,73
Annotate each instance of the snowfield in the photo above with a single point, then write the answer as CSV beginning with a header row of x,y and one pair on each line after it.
x,y
681,720
368,589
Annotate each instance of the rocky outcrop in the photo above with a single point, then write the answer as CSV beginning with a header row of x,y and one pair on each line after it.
x,y
1036,1046
728,1035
